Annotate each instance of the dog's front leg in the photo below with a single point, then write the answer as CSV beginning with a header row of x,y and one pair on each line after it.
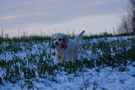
x,y
57,57
63,58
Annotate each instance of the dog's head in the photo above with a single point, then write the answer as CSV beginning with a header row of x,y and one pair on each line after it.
x,y
59,39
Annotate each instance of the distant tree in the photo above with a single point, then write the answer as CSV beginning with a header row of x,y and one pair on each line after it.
x,y
133,15
127,24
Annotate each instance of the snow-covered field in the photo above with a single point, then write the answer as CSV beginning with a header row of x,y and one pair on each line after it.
x,y
103,64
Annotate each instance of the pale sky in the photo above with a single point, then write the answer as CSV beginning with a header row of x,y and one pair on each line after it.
x,y
65,16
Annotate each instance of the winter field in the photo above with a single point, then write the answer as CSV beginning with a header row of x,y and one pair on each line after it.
x,y
102,64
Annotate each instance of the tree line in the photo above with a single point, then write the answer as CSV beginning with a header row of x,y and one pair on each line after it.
x,y
127,25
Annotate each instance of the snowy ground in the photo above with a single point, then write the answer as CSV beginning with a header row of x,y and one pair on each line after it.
x,y
105,79
97,78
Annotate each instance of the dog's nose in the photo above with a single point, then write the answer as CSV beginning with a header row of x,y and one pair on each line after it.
x,y
56,43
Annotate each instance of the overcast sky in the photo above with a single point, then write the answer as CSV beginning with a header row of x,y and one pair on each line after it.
x,y
65,16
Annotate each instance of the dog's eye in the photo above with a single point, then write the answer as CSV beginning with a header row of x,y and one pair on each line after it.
x,y
60,39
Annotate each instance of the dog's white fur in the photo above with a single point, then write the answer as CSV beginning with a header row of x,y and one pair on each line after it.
x,y
71,52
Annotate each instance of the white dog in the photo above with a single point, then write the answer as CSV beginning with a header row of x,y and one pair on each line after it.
x,y
66,48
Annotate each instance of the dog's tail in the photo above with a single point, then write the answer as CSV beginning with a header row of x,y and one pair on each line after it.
x,y
79,37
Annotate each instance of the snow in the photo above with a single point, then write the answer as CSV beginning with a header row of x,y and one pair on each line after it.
x,y
105,78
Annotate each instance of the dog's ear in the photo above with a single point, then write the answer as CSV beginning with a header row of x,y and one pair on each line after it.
x,y
66,39
52,37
